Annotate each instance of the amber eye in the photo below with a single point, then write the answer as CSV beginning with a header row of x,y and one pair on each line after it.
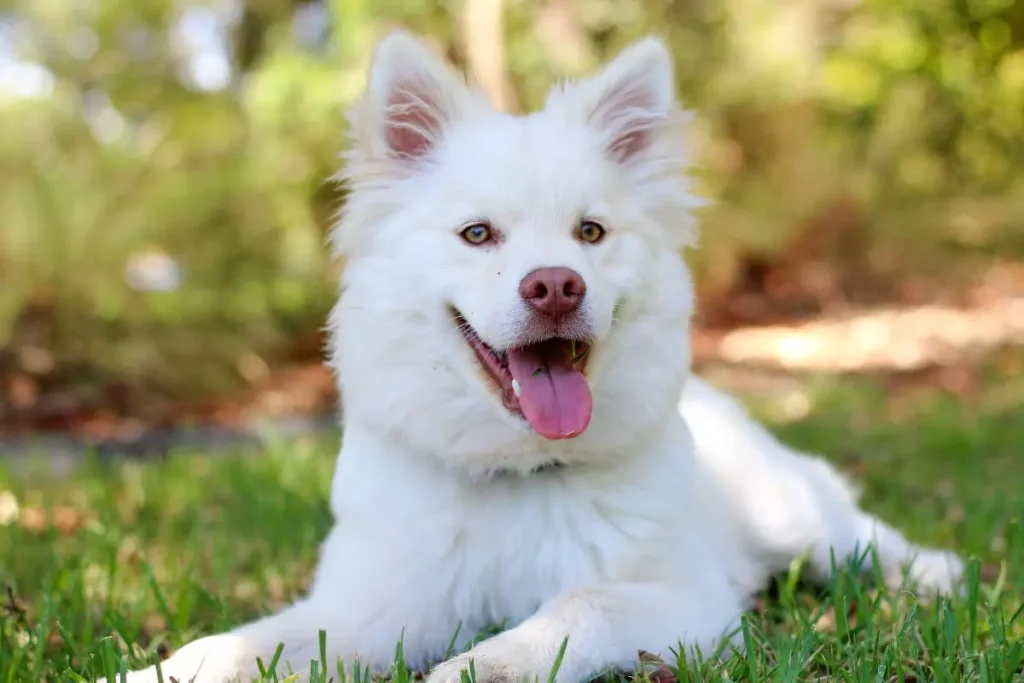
x,y
590,232
477,234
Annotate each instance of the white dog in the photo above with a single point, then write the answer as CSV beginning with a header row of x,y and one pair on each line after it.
x,y
512,342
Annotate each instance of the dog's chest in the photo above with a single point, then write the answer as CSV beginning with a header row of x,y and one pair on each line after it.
x,y
516,546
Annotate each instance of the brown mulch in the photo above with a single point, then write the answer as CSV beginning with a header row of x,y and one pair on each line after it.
x,y
297,389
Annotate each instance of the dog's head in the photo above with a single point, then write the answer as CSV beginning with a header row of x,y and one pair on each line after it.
x,y
513,291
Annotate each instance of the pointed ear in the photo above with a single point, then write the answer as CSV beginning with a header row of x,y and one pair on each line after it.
x,y
411,98
629,100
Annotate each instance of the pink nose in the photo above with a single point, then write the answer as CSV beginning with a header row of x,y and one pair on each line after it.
x,y
553,292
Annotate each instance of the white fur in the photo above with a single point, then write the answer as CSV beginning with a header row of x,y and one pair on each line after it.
x,y
668,513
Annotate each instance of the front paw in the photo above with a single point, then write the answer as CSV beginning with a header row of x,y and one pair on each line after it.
x,y
213,659
494,661
937,572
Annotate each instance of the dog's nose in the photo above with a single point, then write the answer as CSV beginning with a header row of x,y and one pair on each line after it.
x,y
553,292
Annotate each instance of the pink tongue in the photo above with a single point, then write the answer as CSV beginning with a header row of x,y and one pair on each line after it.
x,y
555,398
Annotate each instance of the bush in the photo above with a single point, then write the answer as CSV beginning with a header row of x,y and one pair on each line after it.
x,y
855,142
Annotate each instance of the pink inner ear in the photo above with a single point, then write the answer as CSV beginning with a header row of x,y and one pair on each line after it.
x,y
629,144
628,113
414,120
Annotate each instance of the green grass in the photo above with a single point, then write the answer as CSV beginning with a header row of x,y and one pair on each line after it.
x,y
113,565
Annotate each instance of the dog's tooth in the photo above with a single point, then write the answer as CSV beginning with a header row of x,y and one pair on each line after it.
x,y
516,389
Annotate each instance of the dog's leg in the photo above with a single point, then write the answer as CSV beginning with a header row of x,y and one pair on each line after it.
x,y
785,503
231,656
607,626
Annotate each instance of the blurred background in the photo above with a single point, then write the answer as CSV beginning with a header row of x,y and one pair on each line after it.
x,y
165,187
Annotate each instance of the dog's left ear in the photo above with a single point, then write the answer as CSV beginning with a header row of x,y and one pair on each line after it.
x,y
629,100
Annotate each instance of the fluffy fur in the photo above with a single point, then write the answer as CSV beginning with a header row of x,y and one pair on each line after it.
x,y
668,511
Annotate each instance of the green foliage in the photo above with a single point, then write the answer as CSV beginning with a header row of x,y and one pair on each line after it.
x,y
913,112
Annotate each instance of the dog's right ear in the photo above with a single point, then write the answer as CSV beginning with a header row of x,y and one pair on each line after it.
x,y
411,98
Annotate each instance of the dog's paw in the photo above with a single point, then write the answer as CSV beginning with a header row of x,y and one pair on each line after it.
x,y
494,661
483,671
937,572
214,659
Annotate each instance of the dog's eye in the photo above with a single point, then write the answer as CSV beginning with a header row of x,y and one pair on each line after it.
x,y
477,234
590,232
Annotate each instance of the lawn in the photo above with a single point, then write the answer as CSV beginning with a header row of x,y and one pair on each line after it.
x,y
116,563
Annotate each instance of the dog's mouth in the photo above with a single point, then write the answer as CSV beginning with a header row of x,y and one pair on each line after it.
x,y
544,382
